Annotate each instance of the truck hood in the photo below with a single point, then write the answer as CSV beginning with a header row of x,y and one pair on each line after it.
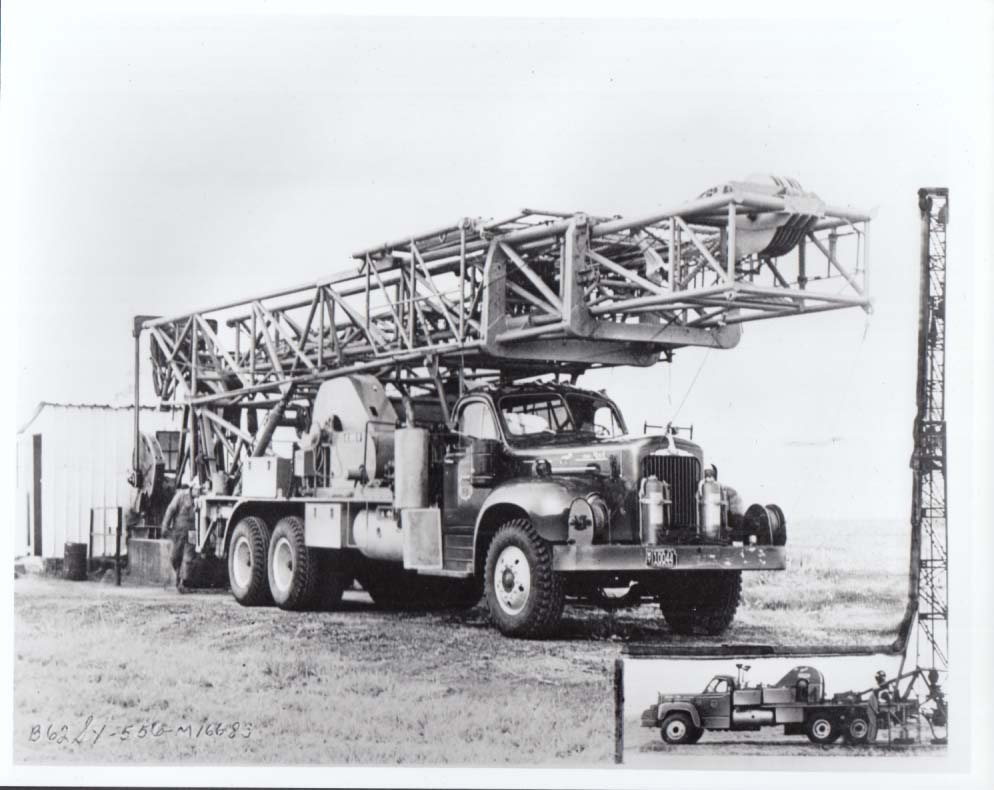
x,y
583,451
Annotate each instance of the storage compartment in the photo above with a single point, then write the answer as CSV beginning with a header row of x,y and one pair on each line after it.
x,y
323,525
268,476
773,696
747,697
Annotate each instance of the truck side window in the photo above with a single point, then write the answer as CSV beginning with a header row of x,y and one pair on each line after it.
x,y
477,421
605,423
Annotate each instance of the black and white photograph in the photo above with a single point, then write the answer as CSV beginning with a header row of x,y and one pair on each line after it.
x,y
537,395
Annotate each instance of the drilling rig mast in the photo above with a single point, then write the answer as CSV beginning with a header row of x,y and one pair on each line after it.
x,y
929,595
536,293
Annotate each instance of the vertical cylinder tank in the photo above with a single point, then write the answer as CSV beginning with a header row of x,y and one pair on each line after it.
x,y
655,502
410,453
712,506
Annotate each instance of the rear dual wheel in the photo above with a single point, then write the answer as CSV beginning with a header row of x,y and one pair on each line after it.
x,y
247,562
822,729
277,567
860,729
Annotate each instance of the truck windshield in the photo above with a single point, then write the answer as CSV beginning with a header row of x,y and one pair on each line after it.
x,y
549,414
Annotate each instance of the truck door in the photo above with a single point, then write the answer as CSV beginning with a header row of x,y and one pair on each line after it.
x,y
465,481
715,704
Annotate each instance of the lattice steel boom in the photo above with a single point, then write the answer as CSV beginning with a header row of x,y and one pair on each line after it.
x,y
537,293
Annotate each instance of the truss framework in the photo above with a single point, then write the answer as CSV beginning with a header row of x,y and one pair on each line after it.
x,y
537,293
930,563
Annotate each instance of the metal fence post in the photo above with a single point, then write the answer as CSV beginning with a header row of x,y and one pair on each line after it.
x,y
117,548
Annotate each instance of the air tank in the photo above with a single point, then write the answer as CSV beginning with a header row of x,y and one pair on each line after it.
x,y
752,716
378,535
410,464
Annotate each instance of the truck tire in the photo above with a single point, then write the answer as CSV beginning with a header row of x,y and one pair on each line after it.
x,y
247,558
822,729
677,728
701,602
524,594
293,568
860,729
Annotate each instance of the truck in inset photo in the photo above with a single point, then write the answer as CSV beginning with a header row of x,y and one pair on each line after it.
x,y
797,702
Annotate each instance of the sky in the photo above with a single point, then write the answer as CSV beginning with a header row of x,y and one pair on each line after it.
x,y
168,160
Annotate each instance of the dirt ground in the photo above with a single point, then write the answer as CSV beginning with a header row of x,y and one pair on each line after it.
x,y
145,675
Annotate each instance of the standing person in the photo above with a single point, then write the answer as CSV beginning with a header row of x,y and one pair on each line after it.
x,y
177,522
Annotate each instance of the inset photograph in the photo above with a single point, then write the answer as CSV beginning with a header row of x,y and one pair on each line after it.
x,y
816,706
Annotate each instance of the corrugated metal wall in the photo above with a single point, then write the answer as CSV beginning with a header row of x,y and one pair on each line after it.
x,y
86,457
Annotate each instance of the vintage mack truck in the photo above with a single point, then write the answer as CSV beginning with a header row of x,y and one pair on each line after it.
x,y
415,424
797,702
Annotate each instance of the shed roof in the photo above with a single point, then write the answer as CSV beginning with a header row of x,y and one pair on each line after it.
x,y
42,405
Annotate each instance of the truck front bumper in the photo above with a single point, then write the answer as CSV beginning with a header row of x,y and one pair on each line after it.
x,y
678,558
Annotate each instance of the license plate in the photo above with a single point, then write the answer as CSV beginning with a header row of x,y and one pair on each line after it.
x,y
660,558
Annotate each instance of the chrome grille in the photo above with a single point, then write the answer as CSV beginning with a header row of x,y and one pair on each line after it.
x,y
683,473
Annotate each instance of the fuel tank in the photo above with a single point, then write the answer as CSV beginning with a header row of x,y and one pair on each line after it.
x,y
378,534
752,716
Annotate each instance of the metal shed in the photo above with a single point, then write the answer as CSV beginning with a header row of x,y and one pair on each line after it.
x,y
74,458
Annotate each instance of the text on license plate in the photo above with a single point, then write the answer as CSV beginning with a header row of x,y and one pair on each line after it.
x,y
660,558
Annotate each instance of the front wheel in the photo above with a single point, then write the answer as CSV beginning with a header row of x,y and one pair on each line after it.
x,y
678,729
524,594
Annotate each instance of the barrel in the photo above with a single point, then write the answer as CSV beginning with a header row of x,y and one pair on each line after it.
x,y
74,562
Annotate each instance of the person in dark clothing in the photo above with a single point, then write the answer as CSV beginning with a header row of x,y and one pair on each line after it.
x,y
178,521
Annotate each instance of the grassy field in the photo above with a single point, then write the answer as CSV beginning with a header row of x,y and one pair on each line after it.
x,y
355,686
364,687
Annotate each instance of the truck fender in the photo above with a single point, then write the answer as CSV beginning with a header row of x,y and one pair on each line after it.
x,y
543,501
666,708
